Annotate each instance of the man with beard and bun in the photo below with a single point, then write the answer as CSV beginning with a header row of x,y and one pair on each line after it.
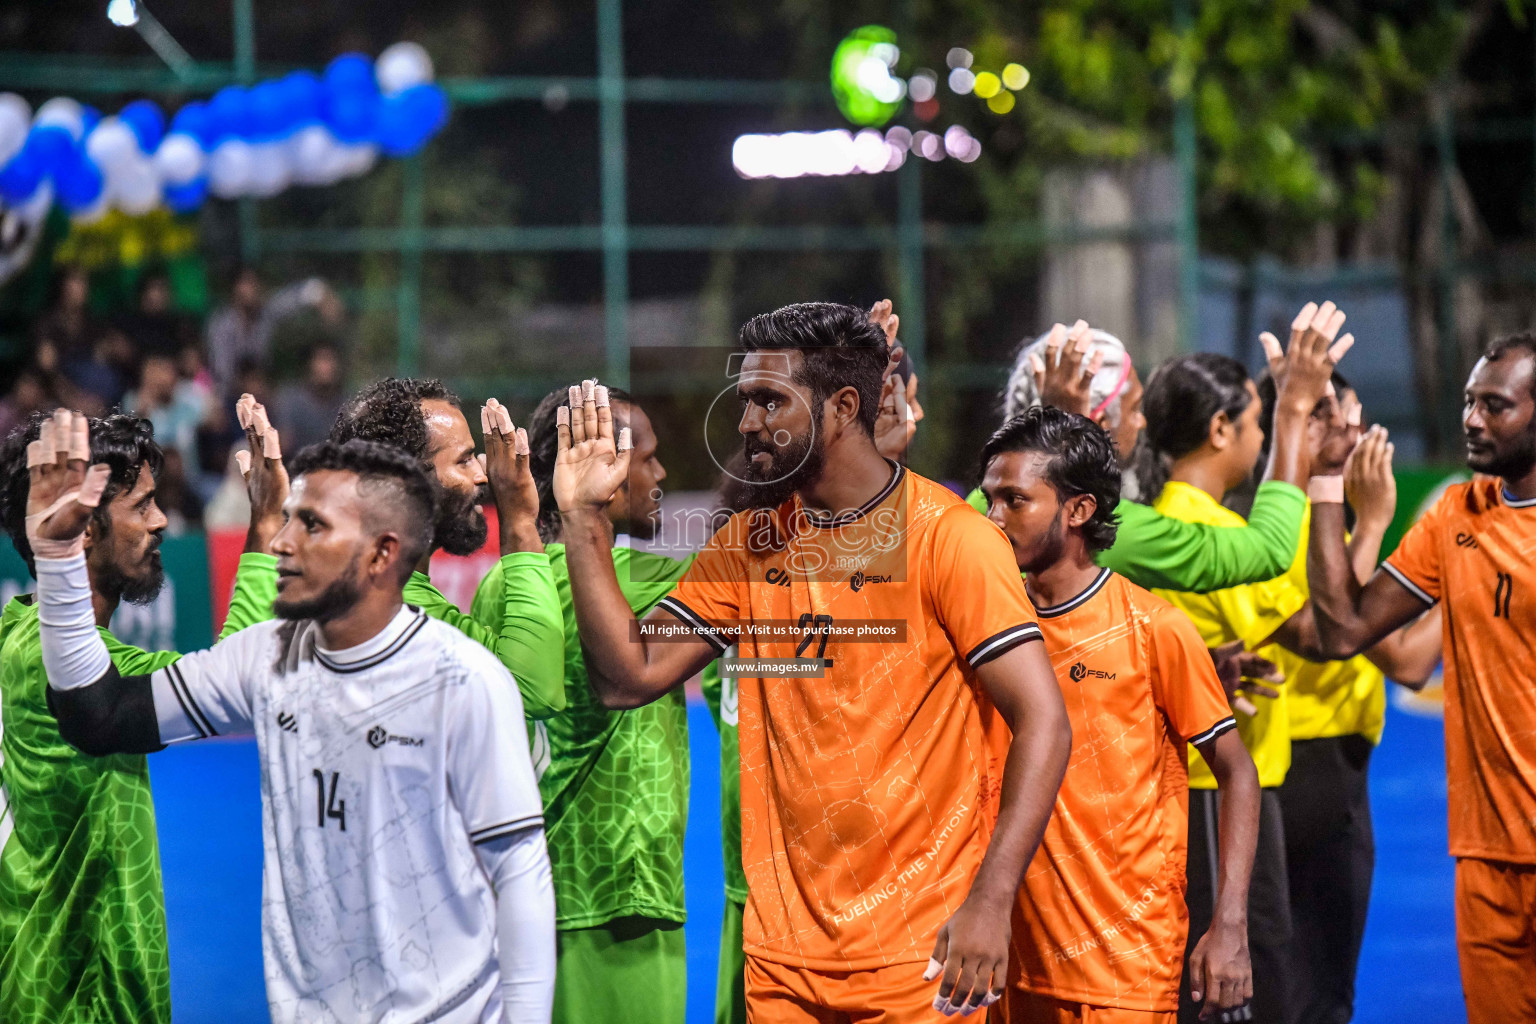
x,y
614,782
891,802
423,419
405,875
1471,552
1101,923
82,914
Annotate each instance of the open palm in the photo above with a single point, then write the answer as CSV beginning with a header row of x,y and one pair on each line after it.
x,y
590,465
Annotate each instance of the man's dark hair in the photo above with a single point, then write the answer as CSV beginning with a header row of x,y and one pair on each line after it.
x,y
1082,461
839,345
543,445
389,412
391,481
124,443
1498,348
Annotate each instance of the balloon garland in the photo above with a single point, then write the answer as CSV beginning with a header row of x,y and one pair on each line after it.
x,y
300,129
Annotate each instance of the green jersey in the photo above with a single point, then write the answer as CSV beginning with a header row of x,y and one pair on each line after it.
x,y
720,695
82,914
1157,551
614,783
518,619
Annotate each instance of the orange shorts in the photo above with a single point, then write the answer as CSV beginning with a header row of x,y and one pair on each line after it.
x,y
1496,940
1020,1007
779,994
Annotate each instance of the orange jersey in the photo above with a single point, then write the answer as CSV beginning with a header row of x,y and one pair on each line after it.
x,y
1475,552
1101,912
868,796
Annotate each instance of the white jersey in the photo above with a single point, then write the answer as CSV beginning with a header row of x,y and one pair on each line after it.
x,y
381,765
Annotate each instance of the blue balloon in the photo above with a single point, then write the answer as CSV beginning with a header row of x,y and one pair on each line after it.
x,y
407,120
22,174
268,118
188,197
147,122
228,115
53,145
78,183
304,96
90,117
352,114
351,71
192,120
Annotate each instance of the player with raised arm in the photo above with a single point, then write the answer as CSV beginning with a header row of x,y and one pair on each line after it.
x,y
1101,925
423,419
82,913
1090,373
404,875
887,813
614,782
1471,552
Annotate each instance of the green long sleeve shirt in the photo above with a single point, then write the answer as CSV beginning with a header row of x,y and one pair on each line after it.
x,y
1155,551
527,632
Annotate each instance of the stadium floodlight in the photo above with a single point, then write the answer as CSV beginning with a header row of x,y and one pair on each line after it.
x,y
123,13
133,14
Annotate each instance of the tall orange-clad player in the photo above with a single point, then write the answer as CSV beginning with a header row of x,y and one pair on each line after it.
x,y
1101,926
891,802
1474,552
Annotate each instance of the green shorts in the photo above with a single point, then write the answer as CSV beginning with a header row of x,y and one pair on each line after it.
x,y
633,969
730,990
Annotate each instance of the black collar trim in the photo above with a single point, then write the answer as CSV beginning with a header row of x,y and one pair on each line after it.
x,y
898,473
1066,606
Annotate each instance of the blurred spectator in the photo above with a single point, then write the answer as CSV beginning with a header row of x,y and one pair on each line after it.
x,y
243,329
221,433
172,493
66,324
172,405
29,394
305,410
230,506
153,326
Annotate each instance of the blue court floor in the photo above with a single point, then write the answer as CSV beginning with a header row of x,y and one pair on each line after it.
x,y
209,808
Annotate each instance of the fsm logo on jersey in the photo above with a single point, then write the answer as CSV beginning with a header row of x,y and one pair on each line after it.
x,y
1079,672
378,736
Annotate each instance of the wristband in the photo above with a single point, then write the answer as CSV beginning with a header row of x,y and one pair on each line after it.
x,y
1326,490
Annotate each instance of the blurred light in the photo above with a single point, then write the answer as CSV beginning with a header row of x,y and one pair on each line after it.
x,y
124,13
862,83
927,110
556,97
962,81
923,86
959,57
987,85
928,146
1015,76
1001,103
957,141
825,154
900,138
973,150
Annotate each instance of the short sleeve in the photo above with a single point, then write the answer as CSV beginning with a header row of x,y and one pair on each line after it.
x,y
1184,681
208,693
974,583
1416,562
713,591
490,772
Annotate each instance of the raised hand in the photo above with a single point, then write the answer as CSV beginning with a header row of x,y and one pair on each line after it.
x,y
589,466
266,479
1244,674
1369,485
506,462
900,412
881,316
61,491
1063,378
1302,370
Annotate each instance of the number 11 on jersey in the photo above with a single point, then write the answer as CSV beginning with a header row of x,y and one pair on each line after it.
x,y
328,807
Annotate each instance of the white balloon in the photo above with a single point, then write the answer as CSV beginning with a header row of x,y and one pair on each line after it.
x,y
35,210
311,153
270,172
136,187
402,66
15,119
64,112
229,168
93,213
356,159
111,144
179,159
